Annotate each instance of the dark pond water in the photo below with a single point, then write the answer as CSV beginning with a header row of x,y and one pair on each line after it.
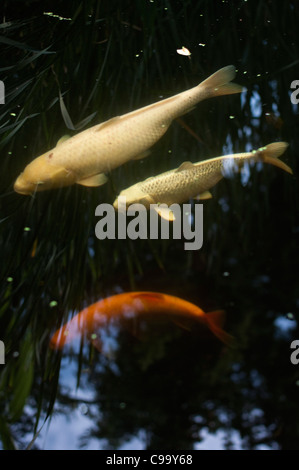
x,y
159,383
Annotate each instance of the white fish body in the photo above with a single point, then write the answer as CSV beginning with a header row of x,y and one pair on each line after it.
x,y
194,180
85,157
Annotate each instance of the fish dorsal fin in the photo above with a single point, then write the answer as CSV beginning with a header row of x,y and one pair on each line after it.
x,y
204,195
95,180
63,139
185,166
101,126
157,104
148,295
150,178
165,213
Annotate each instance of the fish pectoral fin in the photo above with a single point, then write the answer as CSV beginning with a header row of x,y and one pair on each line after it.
x,y
181,324
95,180
146,200
185,166
165,213
63,139
204,195
58,172
142,155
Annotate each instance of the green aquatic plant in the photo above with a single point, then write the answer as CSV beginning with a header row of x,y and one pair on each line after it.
x,y
69,65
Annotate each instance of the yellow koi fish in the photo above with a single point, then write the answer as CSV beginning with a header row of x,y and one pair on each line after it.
x,y
193,180
85,157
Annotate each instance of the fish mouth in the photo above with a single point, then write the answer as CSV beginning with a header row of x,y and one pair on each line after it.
x,y
22,187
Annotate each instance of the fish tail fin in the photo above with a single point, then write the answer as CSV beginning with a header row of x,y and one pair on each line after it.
x,y
271,153
219,83
215,322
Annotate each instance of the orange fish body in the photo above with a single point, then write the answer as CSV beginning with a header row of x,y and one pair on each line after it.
x,y
136,303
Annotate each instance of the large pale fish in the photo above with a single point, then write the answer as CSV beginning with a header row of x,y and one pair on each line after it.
x,y
85,157
92,318
193,180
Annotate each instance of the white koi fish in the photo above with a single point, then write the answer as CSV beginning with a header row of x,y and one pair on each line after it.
x,y
193,180
85,157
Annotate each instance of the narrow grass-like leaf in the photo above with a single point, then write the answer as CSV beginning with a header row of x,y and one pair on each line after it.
x,y
66,117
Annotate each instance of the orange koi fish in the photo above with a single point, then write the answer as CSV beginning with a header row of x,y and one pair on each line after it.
x,y
136,303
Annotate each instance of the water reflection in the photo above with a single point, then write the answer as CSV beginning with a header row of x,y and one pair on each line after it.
x,y
169,387
127,398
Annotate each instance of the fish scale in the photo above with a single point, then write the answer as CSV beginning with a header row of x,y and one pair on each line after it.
x,y
86,157
186,183
194,180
